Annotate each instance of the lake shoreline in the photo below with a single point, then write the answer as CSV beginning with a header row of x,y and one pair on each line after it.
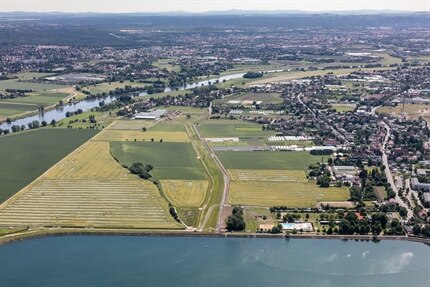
x,y
21,236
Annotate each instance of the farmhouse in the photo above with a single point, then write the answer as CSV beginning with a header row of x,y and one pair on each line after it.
x,y
154,115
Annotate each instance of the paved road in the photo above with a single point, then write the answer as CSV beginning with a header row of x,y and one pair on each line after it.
x,y
388,172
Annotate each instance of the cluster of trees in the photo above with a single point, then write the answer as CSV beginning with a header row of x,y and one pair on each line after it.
x,y
141,169
419,230
253,75
321,152
350,224
235,221
77,112
173,213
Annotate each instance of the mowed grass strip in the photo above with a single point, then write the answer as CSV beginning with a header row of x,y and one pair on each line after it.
x,y
267,159
291,194
170,160
232,128
185,193
267,175
140,136
25,156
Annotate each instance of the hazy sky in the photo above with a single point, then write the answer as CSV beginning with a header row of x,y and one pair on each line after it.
x,y
208,5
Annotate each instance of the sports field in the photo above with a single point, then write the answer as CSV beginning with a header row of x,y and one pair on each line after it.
x,y
343,108
171,160
275,193
89,189
232,128
185,193
265,98
25,156
268,160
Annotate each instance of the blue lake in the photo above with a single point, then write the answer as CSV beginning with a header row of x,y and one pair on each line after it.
x,y
201,261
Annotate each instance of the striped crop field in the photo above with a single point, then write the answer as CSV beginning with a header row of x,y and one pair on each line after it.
x,y
130,125
267,175
291,194
88,189
185,193
139,136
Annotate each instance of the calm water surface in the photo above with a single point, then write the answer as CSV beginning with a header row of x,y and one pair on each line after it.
x,y
177,261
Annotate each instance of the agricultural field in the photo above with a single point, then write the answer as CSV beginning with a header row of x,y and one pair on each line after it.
x,y
268,160
171,160
168,126
89,189
26,155
81,121
185,193
265,98
267,175
11,109
26,85
232,128
292,194
40,99
107,87
167,64
130,125
140,136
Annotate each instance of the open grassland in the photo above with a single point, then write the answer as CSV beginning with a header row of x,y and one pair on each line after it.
x,y
343,108
232,128
267,175
411,110
130,125
292,194
25,85
170,160
167,64
267,160
168,126
185,193
88,189
40,99
31,75
140,136
82,120
11,109
25,156
266,98
107,87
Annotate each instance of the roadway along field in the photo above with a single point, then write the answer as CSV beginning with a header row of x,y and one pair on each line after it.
x,y
25,156
185,193
170,160
88,189
232,128
267,160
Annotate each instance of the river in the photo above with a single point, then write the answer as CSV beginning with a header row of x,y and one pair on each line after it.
x,y
87,104
202,261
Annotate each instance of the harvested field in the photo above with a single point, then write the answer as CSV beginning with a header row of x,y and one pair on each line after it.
x,y
291,194
88,189
27,155
139,136
185,193
267,175
170,160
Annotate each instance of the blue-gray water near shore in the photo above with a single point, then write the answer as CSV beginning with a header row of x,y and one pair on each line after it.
x,y
201,261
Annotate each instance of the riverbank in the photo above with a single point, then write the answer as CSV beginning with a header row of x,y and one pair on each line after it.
x,y
31,234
